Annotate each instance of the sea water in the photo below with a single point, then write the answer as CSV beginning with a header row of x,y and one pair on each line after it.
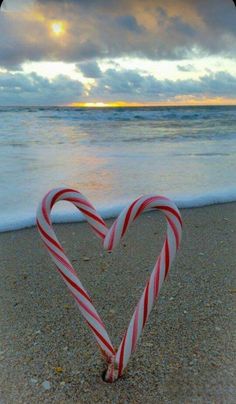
x,y
113,155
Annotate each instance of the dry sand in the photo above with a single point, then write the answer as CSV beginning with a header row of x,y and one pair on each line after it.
x,y
187,351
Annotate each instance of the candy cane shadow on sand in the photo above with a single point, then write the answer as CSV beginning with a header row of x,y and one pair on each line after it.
x,y
116,359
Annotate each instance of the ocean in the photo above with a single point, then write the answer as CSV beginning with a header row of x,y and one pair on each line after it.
x,y
113,155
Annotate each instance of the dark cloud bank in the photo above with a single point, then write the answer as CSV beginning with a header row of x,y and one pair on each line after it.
x,y
18,89
156,29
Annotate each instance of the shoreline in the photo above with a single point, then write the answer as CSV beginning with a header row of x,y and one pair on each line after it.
x,y
109,212
186,353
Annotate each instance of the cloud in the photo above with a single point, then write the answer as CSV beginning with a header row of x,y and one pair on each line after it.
x,y
164,29
186,68
132,86
112,85
129,23
32,89
90,69
219,84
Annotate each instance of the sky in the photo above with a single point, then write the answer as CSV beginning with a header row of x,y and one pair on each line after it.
x,y
117,52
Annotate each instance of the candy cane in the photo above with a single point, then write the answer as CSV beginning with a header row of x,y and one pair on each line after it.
x,y
116,359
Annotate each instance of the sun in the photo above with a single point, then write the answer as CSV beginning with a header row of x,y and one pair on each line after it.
x,y
57,28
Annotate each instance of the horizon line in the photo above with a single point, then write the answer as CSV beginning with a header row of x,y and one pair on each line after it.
x,y
117,106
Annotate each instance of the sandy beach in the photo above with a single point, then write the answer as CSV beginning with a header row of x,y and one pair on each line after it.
x,y
187,351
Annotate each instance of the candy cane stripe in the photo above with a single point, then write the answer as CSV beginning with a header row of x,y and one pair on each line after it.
x,y
167,258
95,217
74,285
79,201
89,311
45,213
120,368
62,192
135,329
48,237
143,206
127,217
157,277
116,359
101,338
99,233
145,308
175,231
171,210
110,245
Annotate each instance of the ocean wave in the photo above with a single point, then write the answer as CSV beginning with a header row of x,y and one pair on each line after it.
x,y
127,113
17,222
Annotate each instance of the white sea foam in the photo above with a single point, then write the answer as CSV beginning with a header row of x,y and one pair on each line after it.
x,y
16,222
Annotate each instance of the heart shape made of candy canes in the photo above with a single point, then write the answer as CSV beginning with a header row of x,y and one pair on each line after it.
x,y
116,359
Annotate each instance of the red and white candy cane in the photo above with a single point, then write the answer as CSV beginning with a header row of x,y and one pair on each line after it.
x,y
116,359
